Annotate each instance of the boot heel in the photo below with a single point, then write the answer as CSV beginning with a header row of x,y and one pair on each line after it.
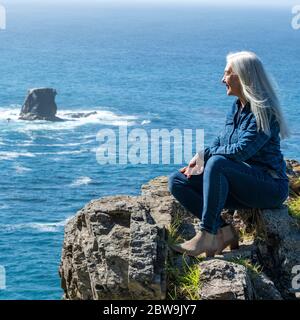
x,y
219,252
234,245
210,254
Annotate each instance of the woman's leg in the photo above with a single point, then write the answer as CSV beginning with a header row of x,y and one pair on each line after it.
x,y
252,187
189,192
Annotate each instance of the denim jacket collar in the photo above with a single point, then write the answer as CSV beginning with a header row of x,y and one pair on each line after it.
x,y
246,108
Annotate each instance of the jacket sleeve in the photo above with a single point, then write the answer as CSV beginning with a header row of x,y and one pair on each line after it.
x,y
207,151
250,141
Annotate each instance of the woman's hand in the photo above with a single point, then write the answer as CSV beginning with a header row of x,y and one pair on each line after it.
x,y
195,167
188,170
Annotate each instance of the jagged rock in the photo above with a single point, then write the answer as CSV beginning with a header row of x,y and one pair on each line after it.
x,y
277,236
40,105
294,187
278,244
292,168
115,248
224,280
264,288
77,115
146,272
293,172
165,209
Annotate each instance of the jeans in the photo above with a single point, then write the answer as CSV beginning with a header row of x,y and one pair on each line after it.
x,y
229,184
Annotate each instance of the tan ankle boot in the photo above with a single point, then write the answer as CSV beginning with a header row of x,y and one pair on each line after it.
x,y
203,242
227,236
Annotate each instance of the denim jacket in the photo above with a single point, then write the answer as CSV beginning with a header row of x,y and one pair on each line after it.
x,y
240,141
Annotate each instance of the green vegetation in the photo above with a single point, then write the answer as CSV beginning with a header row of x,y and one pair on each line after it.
x,y
173,234
294,207
294,187
254,268
246,236
183,283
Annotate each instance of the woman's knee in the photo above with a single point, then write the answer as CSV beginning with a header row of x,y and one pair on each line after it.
x,y
216,162
175,179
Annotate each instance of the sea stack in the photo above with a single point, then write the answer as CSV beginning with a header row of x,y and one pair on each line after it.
x,y
40,105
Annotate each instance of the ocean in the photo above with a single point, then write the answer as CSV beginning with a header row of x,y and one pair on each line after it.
x,y
145,67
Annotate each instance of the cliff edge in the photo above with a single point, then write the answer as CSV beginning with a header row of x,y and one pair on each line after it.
x,y
117,248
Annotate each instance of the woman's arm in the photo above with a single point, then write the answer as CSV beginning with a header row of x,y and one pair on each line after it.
x,y
249,142
207,151
196,165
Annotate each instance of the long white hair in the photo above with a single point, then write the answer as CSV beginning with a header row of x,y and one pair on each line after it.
x,y
258,89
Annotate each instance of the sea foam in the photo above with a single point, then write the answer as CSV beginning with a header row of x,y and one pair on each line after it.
x,y
81,181
38,226
97,116
8,155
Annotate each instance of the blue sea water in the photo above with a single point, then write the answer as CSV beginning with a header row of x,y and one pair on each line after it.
x,y
148,67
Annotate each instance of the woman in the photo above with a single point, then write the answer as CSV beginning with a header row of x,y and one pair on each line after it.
x,y
244,167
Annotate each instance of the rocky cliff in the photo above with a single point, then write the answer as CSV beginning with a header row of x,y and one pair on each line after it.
x,y
117,248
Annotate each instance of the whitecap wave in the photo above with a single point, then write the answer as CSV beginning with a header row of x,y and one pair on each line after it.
x,y
21,169
12,112
89,136
61,152
81,181
8,155
25,144
96,116
75,144
4,206
39,226
145,122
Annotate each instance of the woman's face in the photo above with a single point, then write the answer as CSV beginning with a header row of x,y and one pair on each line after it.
x,y
232,81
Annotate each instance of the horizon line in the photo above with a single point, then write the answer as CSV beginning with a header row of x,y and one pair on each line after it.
x,y
156,3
